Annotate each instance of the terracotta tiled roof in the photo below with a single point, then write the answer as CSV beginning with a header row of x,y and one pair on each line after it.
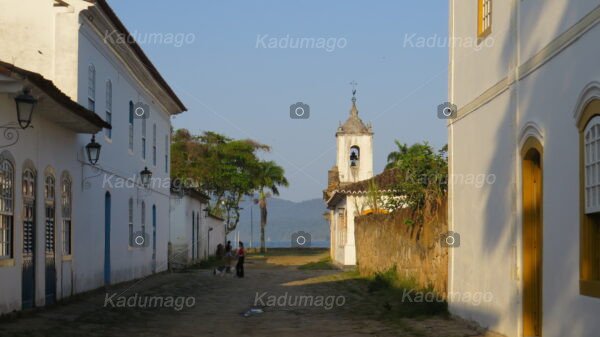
x,y
384,181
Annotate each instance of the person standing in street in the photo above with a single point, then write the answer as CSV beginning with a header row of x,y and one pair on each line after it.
x,y
241,254
220,255
228,257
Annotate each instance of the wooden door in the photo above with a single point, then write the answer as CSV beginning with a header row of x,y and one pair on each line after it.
x,y
50,240
28,271
532,243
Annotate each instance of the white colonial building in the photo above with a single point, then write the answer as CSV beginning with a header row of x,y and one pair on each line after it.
x,y
40,167
195,233
65,43
354,163
528,98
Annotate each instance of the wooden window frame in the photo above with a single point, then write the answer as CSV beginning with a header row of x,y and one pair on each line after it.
x,y
154,144
166,153
131,130
28,211
143,217
67,213
50,212
482,30
92,87
144,139
130,221
589,262
7,209
108,109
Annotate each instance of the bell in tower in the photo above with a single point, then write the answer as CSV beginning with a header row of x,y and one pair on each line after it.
x,y
354,156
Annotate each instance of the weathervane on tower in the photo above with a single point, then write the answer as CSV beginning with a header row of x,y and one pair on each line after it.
x,y
353,84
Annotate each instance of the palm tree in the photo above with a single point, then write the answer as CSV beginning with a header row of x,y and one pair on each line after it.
x,y
395,156
269,177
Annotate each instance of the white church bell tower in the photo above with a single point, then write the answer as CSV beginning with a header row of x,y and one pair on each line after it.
x,y
354,148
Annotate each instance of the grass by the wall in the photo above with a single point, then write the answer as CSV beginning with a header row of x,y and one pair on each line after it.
x,y
403,297
322,264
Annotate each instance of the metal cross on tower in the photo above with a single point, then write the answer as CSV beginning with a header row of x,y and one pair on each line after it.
x,y
353,84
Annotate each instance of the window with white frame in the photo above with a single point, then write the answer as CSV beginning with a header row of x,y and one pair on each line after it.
x,y
66,201
7,179
154,144
130,222
91,87
592,165
108,108
130,126
589,238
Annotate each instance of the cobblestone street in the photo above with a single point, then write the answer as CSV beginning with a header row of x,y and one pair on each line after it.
x,y
221,301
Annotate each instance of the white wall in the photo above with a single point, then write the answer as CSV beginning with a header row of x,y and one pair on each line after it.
x,y
553,114
183,237
543,21
344,143
217,235
344,251
118,162
59,43
484,217
47,146
187,236
488,141
35,32
477,67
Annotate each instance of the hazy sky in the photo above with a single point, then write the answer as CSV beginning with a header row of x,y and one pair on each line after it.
x,y
217,57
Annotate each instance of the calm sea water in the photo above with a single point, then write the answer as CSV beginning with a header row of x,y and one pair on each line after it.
x,y
288,244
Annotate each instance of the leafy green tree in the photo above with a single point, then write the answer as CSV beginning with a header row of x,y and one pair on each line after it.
x,y
223,168
395,156
422,175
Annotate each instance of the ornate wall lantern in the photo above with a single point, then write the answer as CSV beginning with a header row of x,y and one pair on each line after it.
x,y
93,151
146,175
25,104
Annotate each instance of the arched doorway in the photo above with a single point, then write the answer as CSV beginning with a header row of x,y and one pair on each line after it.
x,y
29,229
50,244
532,237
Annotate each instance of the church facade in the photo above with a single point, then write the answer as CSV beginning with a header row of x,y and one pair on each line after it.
x,y
354,163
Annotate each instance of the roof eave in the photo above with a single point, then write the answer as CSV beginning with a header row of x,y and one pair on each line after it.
x,y
92,123
112,16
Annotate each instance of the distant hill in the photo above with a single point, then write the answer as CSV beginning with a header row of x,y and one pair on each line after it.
x,y
285,218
